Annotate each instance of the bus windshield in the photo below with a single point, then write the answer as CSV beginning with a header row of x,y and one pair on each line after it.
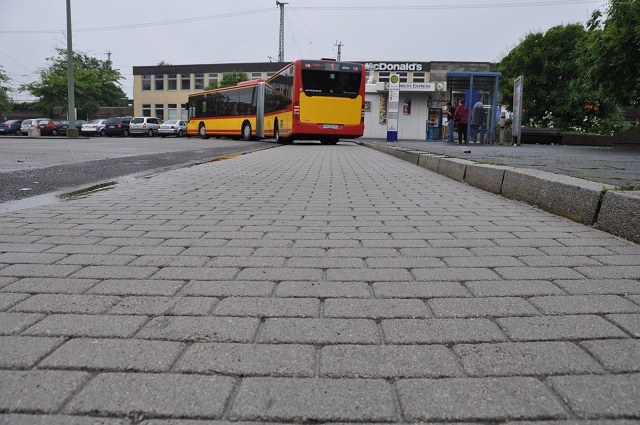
x,y
320,82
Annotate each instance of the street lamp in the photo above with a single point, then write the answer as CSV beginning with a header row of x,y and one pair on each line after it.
x,y
72,131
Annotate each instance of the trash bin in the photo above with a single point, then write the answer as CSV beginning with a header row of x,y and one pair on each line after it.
x,y
33,132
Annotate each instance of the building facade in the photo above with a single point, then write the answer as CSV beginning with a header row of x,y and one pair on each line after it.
x,y
162,90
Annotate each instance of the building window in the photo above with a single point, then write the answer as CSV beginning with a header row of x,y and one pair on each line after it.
x,y
270,74
185,81
383,76
159,80
404,76
213,78
198,82
172,82
172,111
256,75
146,110
160,111
419,77
146,83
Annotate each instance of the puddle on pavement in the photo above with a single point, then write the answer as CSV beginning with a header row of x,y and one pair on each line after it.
x,y
51,198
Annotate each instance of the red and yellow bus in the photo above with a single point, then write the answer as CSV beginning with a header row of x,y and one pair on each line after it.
x,y
306,100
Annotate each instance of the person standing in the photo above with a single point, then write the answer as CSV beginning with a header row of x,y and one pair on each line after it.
x,y
461,116
477,118
449,112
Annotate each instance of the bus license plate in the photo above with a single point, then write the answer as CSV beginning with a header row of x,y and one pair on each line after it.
x,y
331,126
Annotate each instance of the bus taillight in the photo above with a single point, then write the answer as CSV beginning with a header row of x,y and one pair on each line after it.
x,y
296,109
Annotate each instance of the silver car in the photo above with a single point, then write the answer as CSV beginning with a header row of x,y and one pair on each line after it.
x,y
173,128
30,124
144,125
94,128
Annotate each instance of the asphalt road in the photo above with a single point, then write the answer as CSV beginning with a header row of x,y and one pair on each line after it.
x,y
32,167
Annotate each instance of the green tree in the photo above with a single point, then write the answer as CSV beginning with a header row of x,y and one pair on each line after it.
x,y
233,78
548,62
96,84
5,101
611,57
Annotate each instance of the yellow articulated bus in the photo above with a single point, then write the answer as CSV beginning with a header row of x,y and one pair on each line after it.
x,y
306,100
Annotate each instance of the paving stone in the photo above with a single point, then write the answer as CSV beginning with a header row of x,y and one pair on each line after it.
x,y
481,307
440,331
511,288
87,325
375,309
537,273
8,300
98,259
144,305
617,355
268,307
528,358
320,331
600,286
31,258
63,303
367,275
602,272
454,274
114,272
193,306
51,286
114,355
385,361
38,270
200,329
584,304
164,394
323,289
24,419
597,396
419,289
249,360
464,399
17,352
137,287
37,390
558,327
229,288
628,322
306,399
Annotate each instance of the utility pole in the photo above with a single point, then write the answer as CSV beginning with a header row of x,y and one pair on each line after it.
x,y
281,43
339,49
108,53
72,131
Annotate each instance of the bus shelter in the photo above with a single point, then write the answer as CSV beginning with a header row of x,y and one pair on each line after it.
x,y
476,87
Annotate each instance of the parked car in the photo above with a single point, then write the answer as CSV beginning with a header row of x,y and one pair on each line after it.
x,y
65,126
10,127
144,125
173,128
30,124
49,127
94,128
118,126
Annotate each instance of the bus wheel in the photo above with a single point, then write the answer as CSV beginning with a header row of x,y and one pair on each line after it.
x,y
202,131
246,131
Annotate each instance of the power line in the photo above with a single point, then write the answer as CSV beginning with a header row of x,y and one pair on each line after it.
x,y
319,8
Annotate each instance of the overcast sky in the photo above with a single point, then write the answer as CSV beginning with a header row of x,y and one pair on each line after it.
x,y
139,33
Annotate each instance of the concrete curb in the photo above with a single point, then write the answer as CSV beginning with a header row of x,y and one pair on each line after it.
x,y
620,214
616,212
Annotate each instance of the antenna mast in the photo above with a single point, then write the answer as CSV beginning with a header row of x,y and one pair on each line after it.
x,y
339,49
281,43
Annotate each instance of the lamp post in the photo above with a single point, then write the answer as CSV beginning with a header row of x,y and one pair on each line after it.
x,y
72,131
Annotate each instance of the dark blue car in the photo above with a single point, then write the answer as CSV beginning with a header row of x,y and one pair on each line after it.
x,y
10,127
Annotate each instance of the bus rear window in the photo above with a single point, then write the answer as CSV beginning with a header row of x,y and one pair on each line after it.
x,y
331,83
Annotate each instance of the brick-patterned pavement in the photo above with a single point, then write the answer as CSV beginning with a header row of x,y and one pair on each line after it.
x,y
313,283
